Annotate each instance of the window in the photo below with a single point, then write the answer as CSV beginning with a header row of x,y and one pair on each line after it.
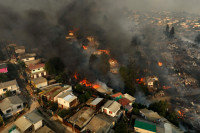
x,y
5,89
30,129
33,70
38,68
8,111
19,106
27,59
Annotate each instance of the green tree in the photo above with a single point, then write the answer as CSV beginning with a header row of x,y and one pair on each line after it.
x,y
62,78
172,117
121,127
3,77
197,38
21,64
64,112
54,106
8,93
104,65
160,107
167,29
172,32
54,66
1,120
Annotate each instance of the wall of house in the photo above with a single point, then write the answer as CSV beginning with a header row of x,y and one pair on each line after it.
x,y
43,73
64,103
108,112
10,88
140,130
37,70
29,59
37,125
13,109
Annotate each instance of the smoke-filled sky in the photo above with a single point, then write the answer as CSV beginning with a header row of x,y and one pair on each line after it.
x,y
44,24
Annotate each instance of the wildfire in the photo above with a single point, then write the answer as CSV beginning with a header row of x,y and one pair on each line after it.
x,y
166,87
84,47
89,84
160,64
105,51
180,114
76,75
140,80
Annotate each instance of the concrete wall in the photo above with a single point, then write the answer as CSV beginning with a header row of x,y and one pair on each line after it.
x,y
37,125
10,88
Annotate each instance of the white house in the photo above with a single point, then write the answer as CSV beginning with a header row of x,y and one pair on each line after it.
x,y
36,71
19,49
29,122
67,100
111,108
9,86
39,82
11,105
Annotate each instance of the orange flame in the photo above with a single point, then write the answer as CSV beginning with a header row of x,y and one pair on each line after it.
x,y
105,51
140,80
88,84
180,114
76,75
160,64
84,47
166,87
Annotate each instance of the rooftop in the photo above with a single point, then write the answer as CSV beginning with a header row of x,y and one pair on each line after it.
x,y
112,105
145,125
22,123
129,97
39,80
33,116
124,101
96,101
8,83
69,98
7,102
82,116
44,129
100,123
117,95
36,66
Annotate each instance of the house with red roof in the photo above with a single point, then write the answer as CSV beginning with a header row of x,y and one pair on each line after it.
x,y
3,68
36,71
117,96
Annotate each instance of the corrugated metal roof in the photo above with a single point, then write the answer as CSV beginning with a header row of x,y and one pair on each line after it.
x,y
39,80
22,123
69,98
96,101
112,105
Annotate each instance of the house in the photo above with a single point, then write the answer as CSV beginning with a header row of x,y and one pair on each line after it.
x,y
150,81
82,117
95,103
100,123
67,100
39,82
130,98
19,49
124,102
3,68
117,96
11,106
111,108
149,115
44,129
144,127
27,58
36,71
30,122
52,92
9,86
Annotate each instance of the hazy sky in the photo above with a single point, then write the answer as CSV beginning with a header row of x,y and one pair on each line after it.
x,y
173,5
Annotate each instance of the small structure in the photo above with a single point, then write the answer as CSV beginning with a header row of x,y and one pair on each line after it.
x,y
100,123
36,71
44,129
11,106
67,100
19,49
95,103
144,127
3,68
117,96
82,117
39,82
149,115
129,97
111,108
29,122
9,86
